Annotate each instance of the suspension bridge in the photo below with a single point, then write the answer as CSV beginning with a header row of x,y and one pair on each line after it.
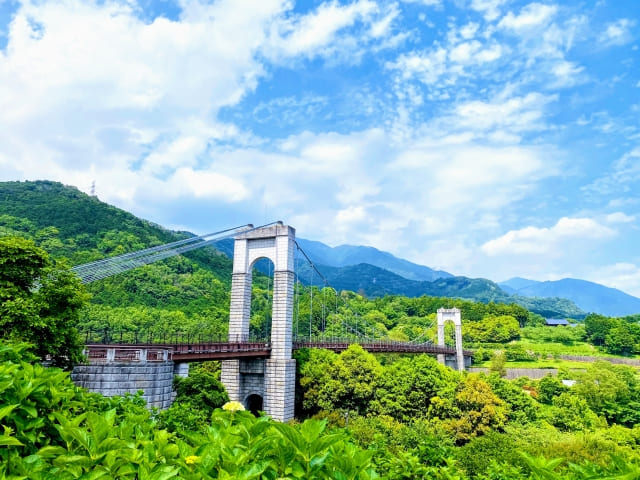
x,y
256,371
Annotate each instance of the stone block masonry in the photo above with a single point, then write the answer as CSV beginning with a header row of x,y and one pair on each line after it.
x,y
110,379
273,379
280,388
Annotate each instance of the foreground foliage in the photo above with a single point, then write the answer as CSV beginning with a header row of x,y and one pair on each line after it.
x,y
54,430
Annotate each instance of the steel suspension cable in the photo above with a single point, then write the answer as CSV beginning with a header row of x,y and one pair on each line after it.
x,y
310,305
90,272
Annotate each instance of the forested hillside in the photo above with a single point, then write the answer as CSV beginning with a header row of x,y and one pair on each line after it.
x,y
193,289
405,416
374,281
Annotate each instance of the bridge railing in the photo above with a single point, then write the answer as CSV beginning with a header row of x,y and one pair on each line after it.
x,y
126,354
122,337
374,345
107,336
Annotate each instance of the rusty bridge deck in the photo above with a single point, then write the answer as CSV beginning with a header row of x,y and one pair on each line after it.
x,y
197,352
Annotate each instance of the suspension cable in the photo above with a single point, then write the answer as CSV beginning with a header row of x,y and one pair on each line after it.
x,y
90,272
297,299
344,326
310,305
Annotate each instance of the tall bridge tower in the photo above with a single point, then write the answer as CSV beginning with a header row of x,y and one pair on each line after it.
x,y
451,315
263,384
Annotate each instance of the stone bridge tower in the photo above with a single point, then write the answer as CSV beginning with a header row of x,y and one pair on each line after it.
x,y
263,384
451,315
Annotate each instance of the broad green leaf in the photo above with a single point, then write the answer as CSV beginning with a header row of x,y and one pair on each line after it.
x,y
10,441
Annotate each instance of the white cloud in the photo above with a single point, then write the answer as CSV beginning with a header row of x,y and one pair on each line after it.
x,y
535,240
567,74
617,33
98,90
326,32
531,16
90,91
620,217
428,67
205,184
347,217
515,114
490,8
426,3
460,142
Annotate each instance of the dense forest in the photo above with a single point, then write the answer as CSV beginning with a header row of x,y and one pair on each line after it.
x,y
360,416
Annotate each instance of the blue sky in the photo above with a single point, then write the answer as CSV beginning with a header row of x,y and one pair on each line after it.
x,y
488,138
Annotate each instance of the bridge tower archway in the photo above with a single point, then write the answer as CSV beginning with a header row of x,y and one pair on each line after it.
x,y
254,403
451,315
273,377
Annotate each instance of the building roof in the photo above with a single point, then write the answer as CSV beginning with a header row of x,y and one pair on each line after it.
x,y
556,321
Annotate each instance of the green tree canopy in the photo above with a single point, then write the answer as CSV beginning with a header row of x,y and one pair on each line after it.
x,y
39,301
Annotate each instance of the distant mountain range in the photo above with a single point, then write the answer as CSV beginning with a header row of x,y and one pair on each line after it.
x,y
82,223
373,272
349,255
589,296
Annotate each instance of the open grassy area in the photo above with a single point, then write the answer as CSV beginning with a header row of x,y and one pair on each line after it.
x,y
546,348
547,363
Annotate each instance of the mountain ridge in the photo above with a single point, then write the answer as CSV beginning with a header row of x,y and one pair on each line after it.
x,y
347,255
589,296
110,230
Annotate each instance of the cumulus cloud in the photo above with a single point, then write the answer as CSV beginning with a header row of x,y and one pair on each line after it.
x,y
567,74
453,144
536,240
620,217
89,89
427,3
92,91
205,184
516,114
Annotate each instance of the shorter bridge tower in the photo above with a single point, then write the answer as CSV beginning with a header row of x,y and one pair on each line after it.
x,y
451,315
272,379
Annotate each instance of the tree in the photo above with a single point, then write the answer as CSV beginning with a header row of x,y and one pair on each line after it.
x,y
352,381
497,365
610,390
39,302
550,387
621,339
597,327
408,385
313,365
521,407
572,413
476,410
492,328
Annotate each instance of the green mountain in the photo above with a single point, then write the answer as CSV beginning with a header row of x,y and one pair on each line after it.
x,y
349,255
189,292
80,228
376,282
